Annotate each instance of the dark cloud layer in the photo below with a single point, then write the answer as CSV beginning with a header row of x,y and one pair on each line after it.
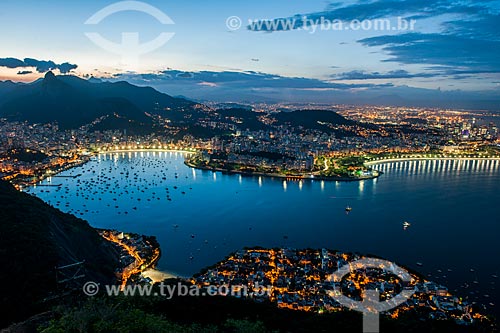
x,y
41,66
363,75
12,63
468,43
367,10
264,87
434,71
235,80
438,49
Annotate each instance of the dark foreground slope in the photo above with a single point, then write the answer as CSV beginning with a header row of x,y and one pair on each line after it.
x,y
183,314
34,239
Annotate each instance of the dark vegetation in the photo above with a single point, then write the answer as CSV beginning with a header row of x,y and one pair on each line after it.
x,y
34,239
221,314
313,119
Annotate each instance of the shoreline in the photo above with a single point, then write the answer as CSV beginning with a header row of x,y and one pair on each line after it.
x,y
143,260
88,158
392,160
158,275
144,151
277,175
84,159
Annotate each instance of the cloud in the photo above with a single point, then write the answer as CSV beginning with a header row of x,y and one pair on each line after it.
x,y
435,71
368,10
41,66
363,75
462,41
251,86
208,84
439,49
469,45
235,80
468,42
11,63
483,27
66,67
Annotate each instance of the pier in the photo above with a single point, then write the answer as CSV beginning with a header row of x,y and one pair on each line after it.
x,y
74,177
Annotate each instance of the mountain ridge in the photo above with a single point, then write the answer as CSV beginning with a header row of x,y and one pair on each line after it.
x,y
74,102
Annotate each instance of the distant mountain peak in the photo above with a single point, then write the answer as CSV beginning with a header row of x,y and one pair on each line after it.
x,y
50,75
74,102
94,79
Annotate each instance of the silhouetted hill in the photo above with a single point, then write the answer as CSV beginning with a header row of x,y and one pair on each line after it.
x,y
313,119
306,119
74,102
6,87
34,239
243,118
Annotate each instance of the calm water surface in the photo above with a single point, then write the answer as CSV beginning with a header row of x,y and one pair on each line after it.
x,y
453,208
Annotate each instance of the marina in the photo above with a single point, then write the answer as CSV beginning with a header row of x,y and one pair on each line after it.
x,y
154,193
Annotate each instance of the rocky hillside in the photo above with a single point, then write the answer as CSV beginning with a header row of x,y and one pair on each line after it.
x,y
34,239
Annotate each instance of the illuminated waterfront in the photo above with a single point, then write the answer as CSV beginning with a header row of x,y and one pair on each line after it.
x,y
451,206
